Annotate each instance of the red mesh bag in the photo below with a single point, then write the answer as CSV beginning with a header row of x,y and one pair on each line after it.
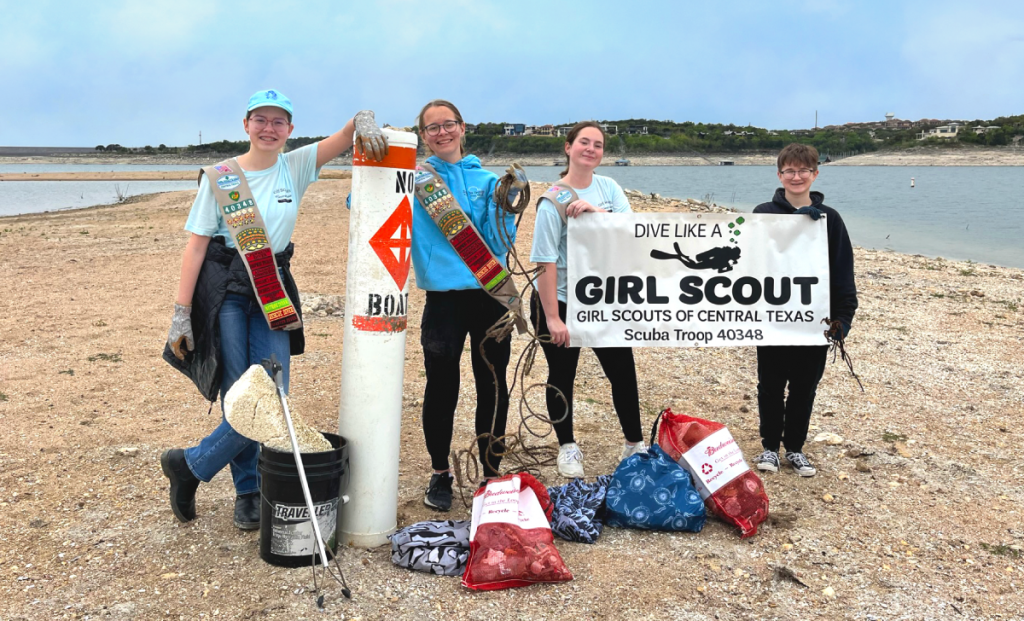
x,y
510,540
730,489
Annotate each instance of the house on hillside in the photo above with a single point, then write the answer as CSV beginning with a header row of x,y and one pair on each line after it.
x,y
984,130
637,130
470,128
944,132
611,130
563,131
544,130
515,129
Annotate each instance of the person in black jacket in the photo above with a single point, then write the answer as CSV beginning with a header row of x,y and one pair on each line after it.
x,y
786,420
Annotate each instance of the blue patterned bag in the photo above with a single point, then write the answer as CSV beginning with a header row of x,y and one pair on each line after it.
x,y
653,492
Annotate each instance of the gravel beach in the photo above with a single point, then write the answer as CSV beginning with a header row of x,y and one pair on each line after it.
x,y
916,511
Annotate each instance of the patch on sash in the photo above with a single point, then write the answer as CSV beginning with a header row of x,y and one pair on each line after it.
x,y
429,188
223,168
421,176
451,223
234,196
242,218
474,253
563,196
232,208
252,239
229,182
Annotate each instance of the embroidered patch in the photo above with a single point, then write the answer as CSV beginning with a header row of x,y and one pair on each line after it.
x,y
252,239
222,168
229,182
234,196
435,196
242,218
429,188
422,176
564,196
452,222
439,206
233,207
264,275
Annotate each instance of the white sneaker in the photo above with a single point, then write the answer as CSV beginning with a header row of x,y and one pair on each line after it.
x,y
570,461
633,449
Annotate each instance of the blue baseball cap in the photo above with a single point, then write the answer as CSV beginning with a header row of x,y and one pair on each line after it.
x,y
270,97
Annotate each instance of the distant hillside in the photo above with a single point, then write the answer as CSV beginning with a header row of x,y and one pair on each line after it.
x,y
42,151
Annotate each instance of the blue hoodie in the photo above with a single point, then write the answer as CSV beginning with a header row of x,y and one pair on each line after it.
x,y
438,267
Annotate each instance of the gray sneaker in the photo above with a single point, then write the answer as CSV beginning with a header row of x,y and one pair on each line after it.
x,y
768,461
800,464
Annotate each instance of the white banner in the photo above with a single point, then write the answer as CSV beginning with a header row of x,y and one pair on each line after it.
x,y
696,280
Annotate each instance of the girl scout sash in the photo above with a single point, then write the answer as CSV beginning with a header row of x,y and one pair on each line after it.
x,y
246,227
560,196
449,216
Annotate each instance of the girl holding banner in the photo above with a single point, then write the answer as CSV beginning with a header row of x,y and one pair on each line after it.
x,y
580,191
237,302
458,252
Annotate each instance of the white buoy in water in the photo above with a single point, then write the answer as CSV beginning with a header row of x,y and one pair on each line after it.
x,y
911,182
373,358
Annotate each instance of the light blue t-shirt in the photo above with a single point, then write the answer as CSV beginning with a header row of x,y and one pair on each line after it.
x,y
550,235
277,191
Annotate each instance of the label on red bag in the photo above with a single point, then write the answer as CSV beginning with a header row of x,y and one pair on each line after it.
x,y
508,502
714,461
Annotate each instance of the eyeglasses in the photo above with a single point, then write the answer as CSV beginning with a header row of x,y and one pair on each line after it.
x,y
435,129
790,173
259,123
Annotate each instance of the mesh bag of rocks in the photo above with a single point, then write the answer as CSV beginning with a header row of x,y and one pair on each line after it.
x,y
511,544
706,449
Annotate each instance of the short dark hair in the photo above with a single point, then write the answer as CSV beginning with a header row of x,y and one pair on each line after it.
x,y
799,154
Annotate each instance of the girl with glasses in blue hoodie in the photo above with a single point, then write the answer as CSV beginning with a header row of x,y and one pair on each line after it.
x,y
457,305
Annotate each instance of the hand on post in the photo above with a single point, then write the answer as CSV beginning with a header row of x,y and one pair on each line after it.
x,y
369,139
180,337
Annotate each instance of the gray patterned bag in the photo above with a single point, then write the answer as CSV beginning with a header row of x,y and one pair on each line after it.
x,y
439,548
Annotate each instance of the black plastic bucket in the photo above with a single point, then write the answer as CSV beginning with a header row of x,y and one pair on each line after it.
x,y
287,538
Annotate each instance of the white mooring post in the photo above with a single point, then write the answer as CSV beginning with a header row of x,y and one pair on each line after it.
x,y
373,358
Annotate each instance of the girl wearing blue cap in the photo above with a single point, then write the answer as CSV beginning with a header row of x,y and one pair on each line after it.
x,y
233,308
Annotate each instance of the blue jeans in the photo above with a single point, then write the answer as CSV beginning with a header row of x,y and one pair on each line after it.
x,y
245,340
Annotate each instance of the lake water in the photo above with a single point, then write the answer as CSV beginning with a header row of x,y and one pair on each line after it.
x,y
955,212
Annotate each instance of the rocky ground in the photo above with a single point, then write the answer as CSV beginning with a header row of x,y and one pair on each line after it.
x,y
915,512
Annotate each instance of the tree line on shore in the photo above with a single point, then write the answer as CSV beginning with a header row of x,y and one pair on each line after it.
x,y
669,137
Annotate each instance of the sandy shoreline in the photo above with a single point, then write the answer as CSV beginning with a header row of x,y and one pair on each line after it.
x,y
980,156
134,175
916,512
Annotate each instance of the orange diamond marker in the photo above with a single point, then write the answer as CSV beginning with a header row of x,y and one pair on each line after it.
x,y
392,242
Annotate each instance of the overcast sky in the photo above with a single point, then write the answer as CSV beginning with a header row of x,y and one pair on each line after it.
x,y
82,73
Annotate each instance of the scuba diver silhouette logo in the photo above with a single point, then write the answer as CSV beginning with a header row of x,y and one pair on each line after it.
x,y
720,259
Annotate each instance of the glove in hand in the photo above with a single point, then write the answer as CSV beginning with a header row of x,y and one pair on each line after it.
x,y
813,212
370,141
181,331
516,176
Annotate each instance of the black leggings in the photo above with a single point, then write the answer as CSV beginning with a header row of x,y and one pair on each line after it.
x,y
617,363
447,317
786,419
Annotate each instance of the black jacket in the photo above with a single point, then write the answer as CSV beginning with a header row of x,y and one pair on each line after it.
x,y
224,272
842,287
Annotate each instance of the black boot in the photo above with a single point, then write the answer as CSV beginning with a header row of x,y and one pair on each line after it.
x,y
247,511
183,484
